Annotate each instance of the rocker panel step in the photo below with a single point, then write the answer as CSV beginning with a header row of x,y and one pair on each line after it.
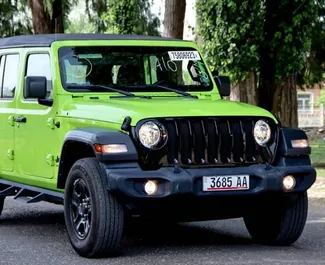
x,y
28,193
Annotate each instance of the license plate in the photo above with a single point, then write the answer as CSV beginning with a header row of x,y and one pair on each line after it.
x,y
224,183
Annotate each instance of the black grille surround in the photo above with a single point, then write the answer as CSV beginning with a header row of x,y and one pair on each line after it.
x,y
208,142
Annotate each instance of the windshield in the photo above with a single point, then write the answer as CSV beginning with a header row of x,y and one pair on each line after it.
x,y
134,69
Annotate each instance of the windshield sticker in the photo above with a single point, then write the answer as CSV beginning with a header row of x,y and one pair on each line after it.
x,y
90,56
184,55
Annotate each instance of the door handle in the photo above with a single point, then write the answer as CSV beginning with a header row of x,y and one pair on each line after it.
x,y
20,119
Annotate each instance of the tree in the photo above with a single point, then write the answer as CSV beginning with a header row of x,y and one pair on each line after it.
x,y
269,38
80,25
130,17
97,13
314,67
287,35
123,16
12,19
174,18
49,16
231,32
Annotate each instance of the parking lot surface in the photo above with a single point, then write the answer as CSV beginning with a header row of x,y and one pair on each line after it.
x,y
35,234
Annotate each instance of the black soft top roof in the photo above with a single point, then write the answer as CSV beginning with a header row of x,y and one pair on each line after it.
x,y
45,40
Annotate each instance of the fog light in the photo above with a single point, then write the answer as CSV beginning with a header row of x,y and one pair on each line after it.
x,y
151,187
289,182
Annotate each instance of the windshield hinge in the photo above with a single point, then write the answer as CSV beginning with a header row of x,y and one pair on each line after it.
x,y
126,123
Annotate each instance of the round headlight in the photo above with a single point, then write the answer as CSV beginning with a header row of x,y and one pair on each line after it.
x,y
262,132
152,135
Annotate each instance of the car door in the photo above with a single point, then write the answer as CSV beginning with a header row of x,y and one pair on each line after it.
x,y
34,134
9,68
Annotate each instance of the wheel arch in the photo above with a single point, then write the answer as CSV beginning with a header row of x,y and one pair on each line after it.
x,y
80,143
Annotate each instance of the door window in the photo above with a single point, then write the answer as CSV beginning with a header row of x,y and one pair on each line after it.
x,y
9,73
39,65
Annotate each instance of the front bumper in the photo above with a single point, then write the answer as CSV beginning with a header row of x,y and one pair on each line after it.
x,y
129,181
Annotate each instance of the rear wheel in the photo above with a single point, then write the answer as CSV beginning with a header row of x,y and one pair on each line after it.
x,y
93,217
278,221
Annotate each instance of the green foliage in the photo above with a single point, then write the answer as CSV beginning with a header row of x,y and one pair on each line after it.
x,y
231,32
234,32
292,24
314,67
96,11
80,25
12,19
130,17
123,16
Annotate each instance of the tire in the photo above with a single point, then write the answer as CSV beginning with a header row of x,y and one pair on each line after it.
x,y
278,222
100,231
2,200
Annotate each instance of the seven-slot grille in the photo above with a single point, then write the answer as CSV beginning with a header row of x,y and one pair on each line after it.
x,y
212,141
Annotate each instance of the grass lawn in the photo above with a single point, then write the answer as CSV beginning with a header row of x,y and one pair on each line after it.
x,y
317,152
318,157
320,172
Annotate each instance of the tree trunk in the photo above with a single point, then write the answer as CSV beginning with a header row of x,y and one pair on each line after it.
x,y
267,85
43,22
174,18
57,17
40,17
285,102
246,90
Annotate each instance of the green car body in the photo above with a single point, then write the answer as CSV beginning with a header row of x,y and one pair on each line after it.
x,y
41,139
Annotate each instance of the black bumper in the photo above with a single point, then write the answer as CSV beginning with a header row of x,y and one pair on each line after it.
x,y
129,181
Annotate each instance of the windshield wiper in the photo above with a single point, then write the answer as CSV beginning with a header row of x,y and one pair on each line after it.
x,y
96,87
183,93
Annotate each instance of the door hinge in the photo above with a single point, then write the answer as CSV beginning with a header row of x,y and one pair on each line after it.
x,y
11,120
52,123
10,154
50,159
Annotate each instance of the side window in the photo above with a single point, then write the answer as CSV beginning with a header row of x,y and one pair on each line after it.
x,y
39,65
10,64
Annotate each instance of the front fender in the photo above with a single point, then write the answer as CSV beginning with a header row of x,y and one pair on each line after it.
x,y
287,155
285,147
92,136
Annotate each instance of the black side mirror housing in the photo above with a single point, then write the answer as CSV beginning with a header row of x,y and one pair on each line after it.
x,y
223,83
35,87
215,73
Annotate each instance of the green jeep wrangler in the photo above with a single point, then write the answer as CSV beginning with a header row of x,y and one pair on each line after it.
x,y
118,127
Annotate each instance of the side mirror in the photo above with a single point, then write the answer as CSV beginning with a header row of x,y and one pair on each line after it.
x,y
223,83
215,72
35,87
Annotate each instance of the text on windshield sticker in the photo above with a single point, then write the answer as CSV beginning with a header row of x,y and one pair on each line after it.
x,y
184,55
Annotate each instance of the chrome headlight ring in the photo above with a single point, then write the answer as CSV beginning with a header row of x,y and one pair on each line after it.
x,y
152,135
262,132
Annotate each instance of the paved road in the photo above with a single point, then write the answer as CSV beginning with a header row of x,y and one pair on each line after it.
x,y
34,235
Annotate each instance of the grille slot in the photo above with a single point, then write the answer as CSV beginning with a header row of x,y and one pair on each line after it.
x,y
198,141
172,144
212,141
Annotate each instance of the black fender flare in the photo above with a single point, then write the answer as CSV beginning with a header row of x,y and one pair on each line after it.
x,y
84,140
92,136
285,147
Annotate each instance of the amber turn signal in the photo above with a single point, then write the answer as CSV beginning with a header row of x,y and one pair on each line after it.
x,y
111,148
301,143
